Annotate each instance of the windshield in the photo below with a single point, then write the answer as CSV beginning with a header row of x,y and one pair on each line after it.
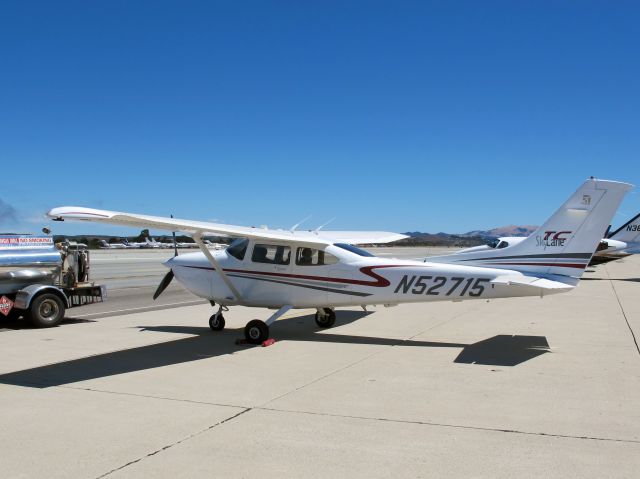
x,y
238,248
493,243
353,249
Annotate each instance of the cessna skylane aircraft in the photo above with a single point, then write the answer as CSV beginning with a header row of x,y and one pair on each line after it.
x,y
281,270
619,244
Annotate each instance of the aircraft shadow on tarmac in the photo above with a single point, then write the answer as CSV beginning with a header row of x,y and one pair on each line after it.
x,y
501,350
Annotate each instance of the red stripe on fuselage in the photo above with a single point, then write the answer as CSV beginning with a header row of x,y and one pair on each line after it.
x,y
380,281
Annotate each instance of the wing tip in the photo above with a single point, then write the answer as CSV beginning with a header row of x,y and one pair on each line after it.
x,y
78,212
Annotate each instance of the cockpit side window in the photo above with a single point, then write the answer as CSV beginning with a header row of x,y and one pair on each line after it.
x,y
238,248
502,244
271,254
314,257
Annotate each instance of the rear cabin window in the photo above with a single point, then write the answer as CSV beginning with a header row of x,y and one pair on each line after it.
x,y
314,257
238,248
271,254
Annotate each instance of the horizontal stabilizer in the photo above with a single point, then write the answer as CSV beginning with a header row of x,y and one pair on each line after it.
x,y
541,283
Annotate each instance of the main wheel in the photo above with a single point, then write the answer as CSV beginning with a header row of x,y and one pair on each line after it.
x,y
216,322
327,319
256,331
46,311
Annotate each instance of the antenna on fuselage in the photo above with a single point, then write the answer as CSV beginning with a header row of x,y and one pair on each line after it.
x,y
294,227
322,226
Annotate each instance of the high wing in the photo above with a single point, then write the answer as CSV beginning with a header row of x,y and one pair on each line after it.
x,y
310,238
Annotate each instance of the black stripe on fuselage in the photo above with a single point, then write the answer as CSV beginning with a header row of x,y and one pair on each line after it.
x,y
308,286
532,256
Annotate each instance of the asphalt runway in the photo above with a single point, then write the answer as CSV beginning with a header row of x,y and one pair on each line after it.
x,y
519,387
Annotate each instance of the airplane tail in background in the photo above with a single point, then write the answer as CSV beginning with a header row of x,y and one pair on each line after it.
x,y
564,244
628,232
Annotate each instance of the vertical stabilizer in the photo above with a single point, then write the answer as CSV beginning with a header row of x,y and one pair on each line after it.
x,y
564,244
628,232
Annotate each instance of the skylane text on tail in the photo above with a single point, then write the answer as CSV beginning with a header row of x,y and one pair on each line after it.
x,y
282,269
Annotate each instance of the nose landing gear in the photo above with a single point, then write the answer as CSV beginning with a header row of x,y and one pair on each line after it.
x,y
216,321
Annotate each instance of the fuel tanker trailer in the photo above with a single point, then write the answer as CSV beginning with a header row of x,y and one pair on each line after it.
x,y
40,280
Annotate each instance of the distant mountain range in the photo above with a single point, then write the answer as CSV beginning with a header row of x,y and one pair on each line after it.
x,y
472,238
510,230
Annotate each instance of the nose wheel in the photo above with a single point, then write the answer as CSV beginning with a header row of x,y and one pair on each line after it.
x,y
216,322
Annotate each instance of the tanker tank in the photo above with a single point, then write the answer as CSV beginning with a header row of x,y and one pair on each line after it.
x,y
25,260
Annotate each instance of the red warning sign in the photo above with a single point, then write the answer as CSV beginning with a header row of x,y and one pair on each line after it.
x,y
5,305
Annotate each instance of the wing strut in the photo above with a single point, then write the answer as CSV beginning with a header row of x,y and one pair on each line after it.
x,y
197,237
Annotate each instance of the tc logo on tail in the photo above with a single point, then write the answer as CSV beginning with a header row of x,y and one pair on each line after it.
x,y
553,238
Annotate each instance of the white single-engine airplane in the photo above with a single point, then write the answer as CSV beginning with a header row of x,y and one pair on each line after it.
x,y
618,244
309,269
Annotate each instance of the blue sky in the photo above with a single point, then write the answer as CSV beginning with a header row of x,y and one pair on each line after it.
x,y
403,116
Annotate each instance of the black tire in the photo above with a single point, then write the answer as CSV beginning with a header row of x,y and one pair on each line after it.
x,y
216,322
256,331
327,320
45,311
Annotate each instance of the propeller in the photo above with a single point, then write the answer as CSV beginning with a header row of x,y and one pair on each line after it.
x,y
163,284
169,276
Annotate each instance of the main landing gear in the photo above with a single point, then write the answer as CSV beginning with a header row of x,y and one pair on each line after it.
x,y
257,331
325,317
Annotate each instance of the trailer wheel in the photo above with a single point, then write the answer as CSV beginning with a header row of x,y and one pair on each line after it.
x,y
46,311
